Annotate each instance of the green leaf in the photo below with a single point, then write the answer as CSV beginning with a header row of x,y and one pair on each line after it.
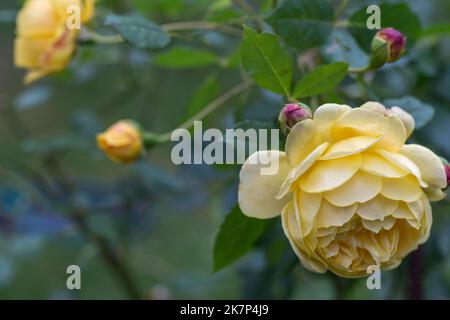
x,y
303,23
181,57
398,16
139,31
421,112
205,94
266,61
237,235
321,80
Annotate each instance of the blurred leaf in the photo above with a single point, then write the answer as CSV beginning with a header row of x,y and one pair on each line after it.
x,y
6,271
237,235
398,16
343,47
436,30
303,23
33,97
266,61
394,81
321,80
421,112
205,94
139,31
233,60
58,144
222,11
185,58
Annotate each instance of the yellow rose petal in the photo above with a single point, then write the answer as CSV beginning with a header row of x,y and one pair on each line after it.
x,y
301,141
430,166
377,208
37,19
349,146
257,192
417,209
373,225
310,260
329,174
435,194
375,106
88,10
360,188
428,221
370,123
405,189
403,212
377,165
296,172
405,163
330,112
330,215
28,53
306,208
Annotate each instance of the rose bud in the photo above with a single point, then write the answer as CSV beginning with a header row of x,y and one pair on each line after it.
x,y
291,114
447,172
122,142
388,45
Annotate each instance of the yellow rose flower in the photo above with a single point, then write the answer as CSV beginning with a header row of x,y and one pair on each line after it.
x,y
350,192
122,142
44,43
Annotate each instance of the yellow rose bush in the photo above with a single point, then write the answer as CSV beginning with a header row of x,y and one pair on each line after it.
x,y
44,43
350,192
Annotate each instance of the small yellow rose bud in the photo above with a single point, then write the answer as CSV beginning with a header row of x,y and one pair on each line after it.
x,y
45,42
406,118
122,142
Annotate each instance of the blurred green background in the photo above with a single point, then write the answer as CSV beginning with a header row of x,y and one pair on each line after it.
x,y
162,218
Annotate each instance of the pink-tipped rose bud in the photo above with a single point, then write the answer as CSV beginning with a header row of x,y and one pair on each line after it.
x,y
447,172
388,45
291,114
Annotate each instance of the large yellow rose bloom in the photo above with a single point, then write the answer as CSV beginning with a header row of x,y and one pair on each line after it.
x,y
350,192
44,42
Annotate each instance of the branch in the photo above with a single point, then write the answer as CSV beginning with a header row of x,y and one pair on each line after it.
x,y
78,216
209,108
200,25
